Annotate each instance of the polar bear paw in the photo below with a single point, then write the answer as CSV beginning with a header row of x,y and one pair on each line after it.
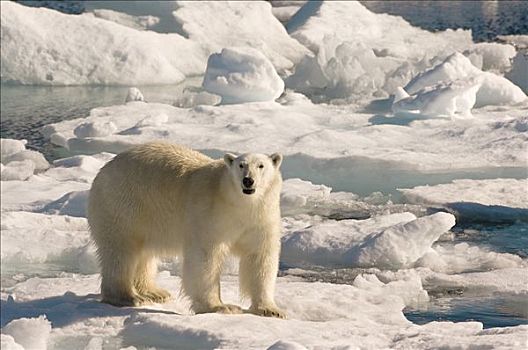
x,y
268,311
156,295
221,309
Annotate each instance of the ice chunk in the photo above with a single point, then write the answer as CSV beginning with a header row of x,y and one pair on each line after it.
x,y
31,333
451,99
134,95
62,57
494,89
136,22
17,170
491,56
9,147
392,241
95,129
191,99
217,25
242,75
360,54
36,157
462,257
402,244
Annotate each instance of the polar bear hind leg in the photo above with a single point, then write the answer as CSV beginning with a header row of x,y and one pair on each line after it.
x,y
144,284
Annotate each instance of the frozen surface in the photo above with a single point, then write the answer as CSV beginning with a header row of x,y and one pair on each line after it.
x,y
491,56
19,163
31,333
242,75
494,200
493,90
362,54
136,22
397,254
344,314
392,241
505,192
334,135
217,25
42,46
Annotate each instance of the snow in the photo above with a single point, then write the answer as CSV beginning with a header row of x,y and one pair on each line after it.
x,y
42,46
218,25
242,75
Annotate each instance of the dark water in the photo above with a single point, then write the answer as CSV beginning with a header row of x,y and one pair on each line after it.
x,y
25,109
486,19
494,311
501,310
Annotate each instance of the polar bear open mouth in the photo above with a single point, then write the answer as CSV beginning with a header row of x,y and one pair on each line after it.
x,y
248,190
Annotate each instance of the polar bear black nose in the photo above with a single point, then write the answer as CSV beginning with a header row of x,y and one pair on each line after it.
x,y
248,182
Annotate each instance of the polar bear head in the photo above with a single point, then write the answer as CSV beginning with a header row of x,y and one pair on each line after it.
x,y
252,172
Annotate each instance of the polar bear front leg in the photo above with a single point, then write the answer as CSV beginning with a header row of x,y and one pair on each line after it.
x,y
258,274
201,279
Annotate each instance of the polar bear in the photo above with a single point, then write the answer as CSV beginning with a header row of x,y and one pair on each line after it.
x,y
159,200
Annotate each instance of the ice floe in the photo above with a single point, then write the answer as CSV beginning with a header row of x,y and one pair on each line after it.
x,y
344,314
125,56
493,200
239,23
312,135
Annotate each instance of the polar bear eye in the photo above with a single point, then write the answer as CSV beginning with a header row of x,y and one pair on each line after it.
x,y
261,166
241,166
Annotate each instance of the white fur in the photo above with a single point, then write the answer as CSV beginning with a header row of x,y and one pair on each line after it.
x,y
163,200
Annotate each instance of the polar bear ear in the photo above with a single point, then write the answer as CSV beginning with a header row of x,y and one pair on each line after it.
x,y
229,158
276,158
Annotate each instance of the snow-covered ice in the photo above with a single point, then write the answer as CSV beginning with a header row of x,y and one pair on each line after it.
x,y
218,25
242,75
493,89
335,135
486,192
19,163
383,85
42,46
